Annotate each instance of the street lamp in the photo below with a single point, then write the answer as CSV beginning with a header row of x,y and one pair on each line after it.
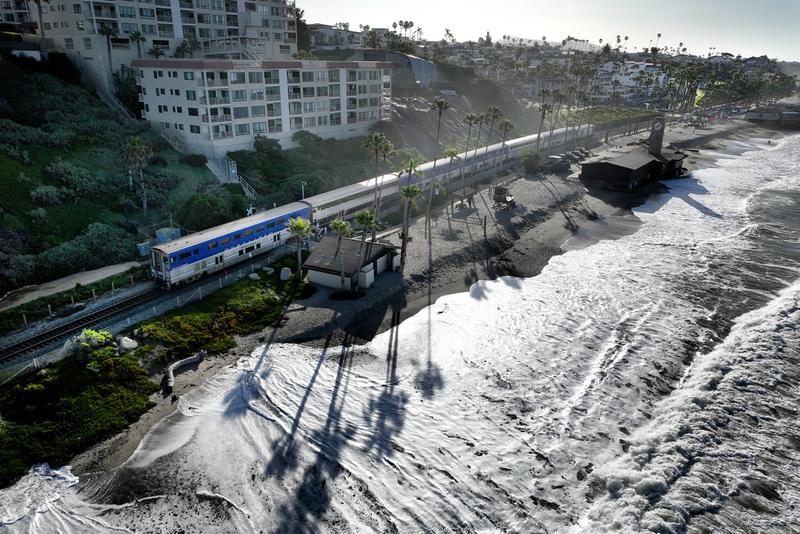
x,y
303,190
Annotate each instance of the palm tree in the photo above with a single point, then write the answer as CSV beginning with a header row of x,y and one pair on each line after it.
x,y
440,105
156,52
409,194
480,122
108,32
373,142
138,38
492,114
39,13
505,126
367,221
342,229
409,168
136,154
385,150
471,119
300,229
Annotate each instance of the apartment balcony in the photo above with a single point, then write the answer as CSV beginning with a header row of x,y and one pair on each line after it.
x,y
274,113
187,20
105,14
215,101
231,7
186,4
212,83
164,18
167,34
162,3
295,96
219,118
257,96
141,97
223,135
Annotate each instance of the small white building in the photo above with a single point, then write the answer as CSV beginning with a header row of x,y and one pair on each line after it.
x,y
361,266
333,37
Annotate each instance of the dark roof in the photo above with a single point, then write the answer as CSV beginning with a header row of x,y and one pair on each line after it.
x,y
324,258
636,158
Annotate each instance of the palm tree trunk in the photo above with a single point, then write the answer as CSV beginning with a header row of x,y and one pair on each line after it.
x,y
464,160
139,49
144,194
404,245
430,181
110,66
299,257
541,124
341,261
39,13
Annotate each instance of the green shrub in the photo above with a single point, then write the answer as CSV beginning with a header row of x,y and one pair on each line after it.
x,y
46,195
38,215
194,160
158,160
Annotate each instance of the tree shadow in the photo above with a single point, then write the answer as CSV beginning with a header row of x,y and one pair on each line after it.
x,y
312,498
553,190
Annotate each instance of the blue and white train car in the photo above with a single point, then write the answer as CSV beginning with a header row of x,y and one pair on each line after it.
x,y
190,257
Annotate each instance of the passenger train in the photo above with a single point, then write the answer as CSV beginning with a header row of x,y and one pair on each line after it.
x,y
193,256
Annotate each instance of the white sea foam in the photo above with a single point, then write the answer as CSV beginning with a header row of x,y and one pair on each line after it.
x,y
553,403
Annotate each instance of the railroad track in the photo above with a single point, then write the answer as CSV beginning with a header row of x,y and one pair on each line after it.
x,y
72,327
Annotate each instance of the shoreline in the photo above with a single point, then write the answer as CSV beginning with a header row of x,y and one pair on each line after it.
x,y
520,248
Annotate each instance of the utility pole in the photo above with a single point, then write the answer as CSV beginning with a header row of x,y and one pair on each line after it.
x,y
303,190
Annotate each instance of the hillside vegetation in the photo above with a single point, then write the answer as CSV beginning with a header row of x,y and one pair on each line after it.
x,y
66,200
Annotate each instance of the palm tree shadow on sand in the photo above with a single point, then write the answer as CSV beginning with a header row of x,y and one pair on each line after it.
x,y
429,380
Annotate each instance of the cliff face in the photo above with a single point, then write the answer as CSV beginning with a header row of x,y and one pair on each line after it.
x,y
415,123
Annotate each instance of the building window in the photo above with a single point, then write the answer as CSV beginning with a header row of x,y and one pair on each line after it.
x,y
240,113
255,77
272,94
309,107
296,123
308,76
76,8
308,92
336,119
128,28
322,76
68,43
258,111
295,108
333,76
191,95
87,43
127,12
239,95
322,91
149,29
275,125
259,127
237,77
322,120
193,112
336,105
242,129
274,109
257,94
188,75
194,129
271,77
147,13
334,90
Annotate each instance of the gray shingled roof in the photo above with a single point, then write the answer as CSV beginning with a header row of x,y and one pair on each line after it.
x,y
323,257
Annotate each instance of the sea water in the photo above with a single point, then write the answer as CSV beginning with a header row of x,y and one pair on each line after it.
x,y
643,383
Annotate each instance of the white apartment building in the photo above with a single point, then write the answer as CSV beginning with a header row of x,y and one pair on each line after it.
x,y
215,106
334,37
215,28
17,12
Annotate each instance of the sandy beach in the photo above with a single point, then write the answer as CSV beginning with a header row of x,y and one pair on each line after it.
x,y
550,210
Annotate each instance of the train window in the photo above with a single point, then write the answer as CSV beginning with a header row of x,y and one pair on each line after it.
x,y
196,251
258,245
271,225
212,246
241,253
172,259
224,240
260,229
237,236
184,255
248,233
249,249
282,221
